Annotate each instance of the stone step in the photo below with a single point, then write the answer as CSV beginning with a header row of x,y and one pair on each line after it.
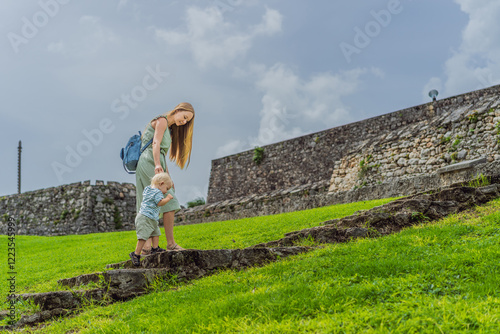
x,y
394,216
192,263
130,282
48,301
82,279
190,260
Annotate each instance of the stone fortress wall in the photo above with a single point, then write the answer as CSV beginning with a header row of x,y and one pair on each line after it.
x,y
401,153
77,208
403,143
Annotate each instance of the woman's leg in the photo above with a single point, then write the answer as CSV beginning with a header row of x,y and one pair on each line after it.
x,y
141,181
168,224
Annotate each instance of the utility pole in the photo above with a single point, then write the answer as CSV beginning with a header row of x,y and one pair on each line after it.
x,y
19,168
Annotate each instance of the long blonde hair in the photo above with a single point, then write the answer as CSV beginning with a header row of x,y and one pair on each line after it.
x,y
182,137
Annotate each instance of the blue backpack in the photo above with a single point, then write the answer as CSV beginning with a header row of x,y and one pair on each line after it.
x,y
130,154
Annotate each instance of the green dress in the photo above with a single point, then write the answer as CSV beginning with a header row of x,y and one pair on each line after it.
x,y
146,168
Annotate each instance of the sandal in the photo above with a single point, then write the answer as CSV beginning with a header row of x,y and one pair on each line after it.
x,y
136,259
157,250
145,252
175,247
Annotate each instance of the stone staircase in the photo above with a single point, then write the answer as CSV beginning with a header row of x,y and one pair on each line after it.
x,y
123,281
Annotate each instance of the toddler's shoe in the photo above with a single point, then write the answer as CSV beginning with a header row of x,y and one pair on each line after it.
x,y
136,259
157,250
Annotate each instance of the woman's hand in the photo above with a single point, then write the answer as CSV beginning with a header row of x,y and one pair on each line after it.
x,y
158,169
160,125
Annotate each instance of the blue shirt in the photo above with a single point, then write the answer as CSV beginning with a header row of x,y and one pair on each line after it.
x,y
149,205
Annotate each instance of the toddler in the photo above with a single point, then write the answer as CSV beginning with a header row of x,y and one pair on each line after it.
x,y
146,221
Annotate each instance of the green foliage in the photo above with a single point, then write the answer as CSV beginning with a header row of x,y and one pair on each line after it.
x,y
76,214
64,214
117,218
196,202
108,200
5,217
473,118
454,156
419,217
373,232
434,278
364,167
479,181
308,242
454,146
160,284
258,155
445,140
23,307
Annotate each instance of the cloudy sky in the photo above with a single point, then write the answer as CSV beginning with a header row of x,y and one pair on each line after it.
x,y
78,78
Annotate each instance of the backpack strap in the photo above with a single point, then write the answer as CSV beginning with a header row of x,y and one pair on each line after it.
x,y
146,146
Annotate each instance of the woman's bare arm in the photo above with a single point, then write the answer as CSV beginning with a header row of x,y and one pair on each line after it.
x,y
160,126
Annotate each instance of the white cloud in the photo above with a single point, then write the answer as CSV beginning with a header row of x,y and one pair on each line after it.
x,y
475,65
292,106
229,148
274,123
271,23
215,42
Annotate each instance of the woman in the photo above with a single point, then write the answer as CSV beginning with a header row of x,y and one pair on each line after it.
x,y
173,130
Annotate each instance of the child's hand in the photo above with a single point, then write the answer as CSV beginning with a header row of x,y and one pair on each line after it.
x,y
169,197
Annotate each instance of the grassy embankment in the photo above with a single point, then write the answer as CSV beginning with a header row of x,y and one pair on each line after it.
x,y
437,277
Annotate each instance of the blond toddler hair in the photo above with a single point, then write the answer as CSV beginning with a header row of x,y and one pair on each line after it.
x,y
159,178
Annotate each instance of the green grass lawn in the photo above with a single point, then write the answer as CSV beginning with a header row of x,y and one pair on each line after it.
x,y
440,277
41,261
